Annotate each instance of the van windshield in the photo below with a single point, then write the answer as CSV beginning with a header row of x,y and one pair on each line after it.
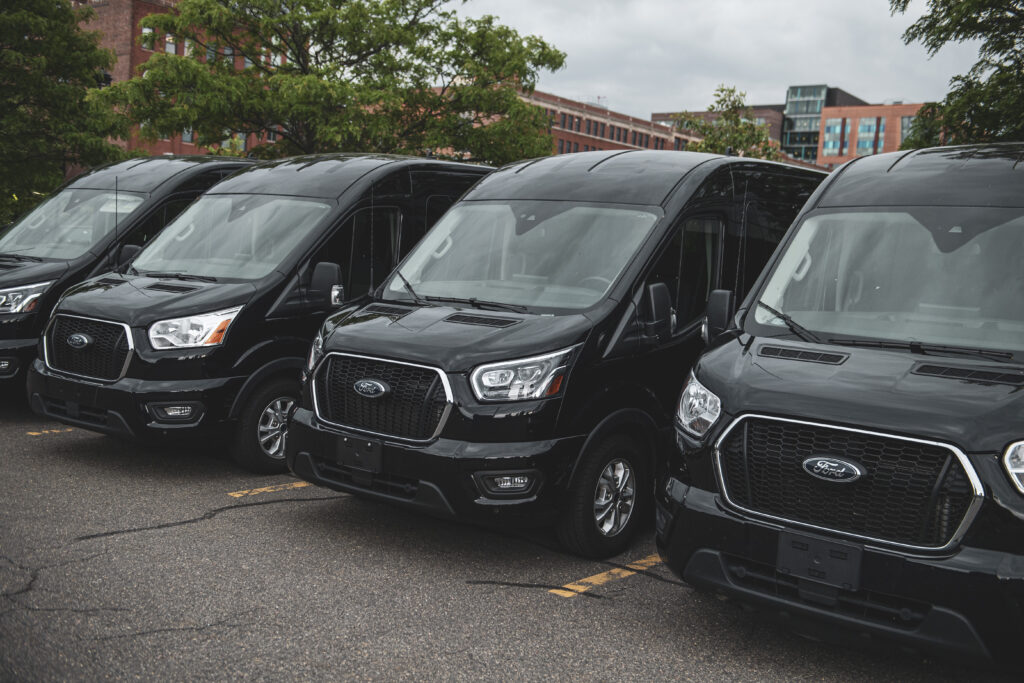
x,y
934,275
526,253
236,236
69,223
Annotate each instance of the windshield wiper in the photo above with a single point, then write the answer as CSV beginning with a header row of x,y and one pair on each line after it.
x,y
178,276
925,349
479,303
795,327
412,292
21,257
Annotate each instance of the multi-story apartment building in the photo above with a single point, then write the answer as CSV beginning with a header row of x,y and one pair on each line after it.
x,y
581,127
849,132
802,122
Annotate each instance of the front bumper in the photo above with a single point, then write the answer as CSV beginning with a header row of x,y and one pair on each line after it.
x,y
16,355
968,605
441,478
126,408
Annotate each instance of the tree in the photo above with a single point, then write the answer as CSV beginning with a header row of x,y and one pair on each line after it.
x,y
401,76
987,103
728,127
48,66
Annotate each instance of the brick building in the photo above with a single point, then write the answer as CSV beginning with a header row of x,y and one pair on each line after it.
x,y
764,114
581,127
118,24
850,132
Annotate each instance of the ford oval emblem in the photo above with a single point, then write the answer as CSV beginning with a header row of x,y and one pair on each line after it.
x,y
371,388
833,469
79,340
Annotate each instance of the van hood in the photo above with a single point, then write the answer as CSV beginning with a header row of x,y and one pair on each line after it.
x,y
883,390
141,301
453,338
20,273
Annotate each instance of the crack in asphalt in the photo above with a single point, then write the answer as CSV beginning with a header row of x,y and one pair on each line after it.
x,y
226,622
206,516
34,574
513,584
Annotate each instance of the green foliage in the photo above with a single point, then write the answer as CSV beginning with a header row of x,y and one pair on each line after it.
x,y
729,128
401,76
987,103
48,66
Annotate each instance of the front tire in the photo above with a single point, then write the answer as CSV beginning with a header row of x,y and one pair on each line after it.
x,y
608,501
259,441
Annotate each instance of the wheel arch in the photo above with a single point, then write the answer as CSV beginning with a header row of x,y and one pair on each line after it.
x,y
290,368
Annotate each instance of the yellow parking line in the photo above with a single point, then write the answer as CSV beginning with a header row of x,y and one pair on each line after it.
x,y
571,590
269,489
43,432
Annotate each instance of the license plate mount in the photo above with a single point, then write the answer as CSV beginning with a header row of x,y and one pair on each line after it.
x,y
360,453
820,560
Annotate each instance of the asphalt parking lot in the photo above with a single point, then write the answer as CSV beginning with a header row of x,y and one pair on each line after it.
x,y
118,561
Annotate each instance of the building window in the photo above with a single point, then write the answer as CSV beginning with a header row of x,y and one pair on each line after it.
x,y
602,130
579,122
575,146
246,62
272,135
170,47
186,48
148,38
906,123
563,119
188,136
588,126
211,52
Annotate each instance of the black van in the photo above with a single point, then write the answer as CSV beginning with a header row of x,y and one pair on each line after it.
x,y
522,363
852,442
88,226
209,327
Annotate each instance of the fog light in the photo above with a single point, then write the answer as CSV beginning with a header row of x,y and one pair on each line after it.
x,y
5,365
516,483
506,484
177,411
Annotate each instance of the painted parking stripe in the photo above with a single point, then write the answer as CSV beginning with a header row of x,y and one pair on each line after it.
x,y
571,590
44,432
270,489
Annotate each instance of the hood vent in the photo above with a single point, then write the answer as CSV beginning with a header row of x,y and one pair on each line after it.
x,y
173,289
384,309
483,320
803,355
1015,379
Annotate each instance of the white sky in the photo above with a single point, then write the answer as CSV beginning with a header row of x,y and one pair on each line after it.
x,y
644,56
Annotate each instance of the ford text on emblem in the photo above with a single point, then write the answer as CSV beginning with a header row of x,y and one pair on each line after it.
x,y
371,388
833,469
79,340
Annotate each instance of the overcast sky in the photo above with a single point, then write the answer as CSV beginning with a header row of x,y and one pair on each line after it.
x,y
644,56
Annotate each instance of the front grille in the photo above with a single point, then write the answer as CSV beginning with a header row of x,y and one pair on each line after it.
x,y
911,493
104,357
412,408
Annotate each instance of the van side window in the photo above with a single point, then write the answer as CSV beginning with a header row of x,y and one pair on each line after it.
x,y
364,245
163,215
689,266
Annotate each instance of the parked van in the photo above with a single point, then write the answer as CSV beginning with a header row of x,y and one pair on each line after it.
x,y
851,445
522,363
89,226
206,333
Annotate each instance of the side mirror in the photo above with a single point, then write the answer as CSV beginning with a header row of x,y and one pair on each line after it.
x,y
326,276
721,308
126,254
659,311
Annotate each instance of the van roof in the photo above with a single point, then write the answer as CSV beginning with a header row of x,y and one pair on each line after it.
x,y
324,176
622,176
145,174
969,175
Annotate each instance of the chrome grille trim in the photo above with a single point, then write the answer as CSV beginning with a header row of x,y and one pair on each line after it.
x,y
965,464
96,380
449,397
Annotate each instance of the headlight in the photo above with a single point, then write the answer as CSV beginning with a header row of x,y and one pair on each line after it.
x,y
316,351
522,379
22,299
699,409
208,329
1013,461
